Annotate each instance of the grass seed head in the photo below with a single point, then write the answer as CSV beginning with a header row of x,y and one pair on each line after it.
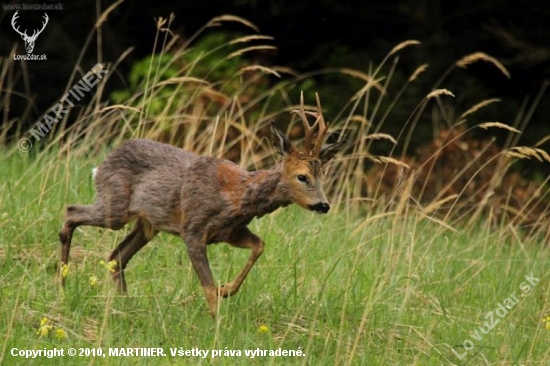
x,y
480,56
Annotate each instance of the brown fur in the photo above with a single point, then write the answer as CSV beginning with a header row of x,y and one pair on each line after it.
x,y
202,199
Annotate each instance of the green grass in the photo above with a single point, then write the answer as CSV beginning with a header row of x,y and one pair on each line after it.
x,y
378,288
380,280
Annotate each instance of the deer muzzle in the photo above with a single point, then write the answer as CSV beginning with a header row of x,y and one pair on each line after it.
x,y
321,207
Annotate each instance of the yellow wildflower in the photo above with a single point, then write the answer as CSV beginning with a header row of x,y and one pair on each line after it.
x,y
44,331
60,334
111,266
45,328
546,319
263,329
64,270
93,281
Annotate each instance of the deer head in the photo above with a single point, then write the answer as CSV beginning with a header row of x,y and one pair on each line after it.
x,y
302,173
29,40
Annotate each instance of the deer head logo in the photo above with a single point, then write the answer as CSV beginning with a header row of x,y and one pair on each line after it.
x,y
29,40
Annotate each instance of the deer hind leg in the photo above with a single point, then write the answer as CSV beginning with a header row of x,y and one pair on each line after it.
x,y
140,235
92,215
110,216
243,239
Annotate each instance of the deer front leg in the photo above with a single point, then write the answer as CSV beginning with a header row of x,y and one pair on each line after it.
x,y
197,254
243,238
130,245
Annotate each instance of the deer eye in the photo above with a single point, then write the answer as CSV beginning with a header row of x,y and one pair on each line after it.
x,y
302,178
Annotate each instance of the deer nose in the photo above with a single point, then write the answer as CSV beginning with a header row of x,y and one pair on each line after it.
x,y
321,207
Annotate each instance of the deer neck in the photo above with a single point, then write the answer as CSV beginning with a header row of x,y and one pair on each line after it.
x,y
264,192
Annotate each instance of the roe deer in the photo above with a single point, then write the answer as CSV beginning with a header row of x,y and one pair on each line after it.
x,y
202,199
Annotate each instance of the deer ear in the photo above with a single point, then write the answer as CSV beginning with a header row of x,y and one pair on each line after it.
x,y
330,150
281,142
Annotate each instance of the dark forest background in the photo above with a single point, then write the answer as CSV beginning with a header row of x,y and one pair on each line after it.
x,y
310,35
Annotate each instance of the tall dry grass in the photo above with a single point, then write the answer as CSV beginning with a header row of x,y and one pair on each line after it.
x,y
229,118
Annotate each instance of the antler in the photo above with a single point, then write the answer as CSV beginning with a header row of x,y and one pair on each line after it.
x,y
13,19
323,127
309,129
43,26
24,34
